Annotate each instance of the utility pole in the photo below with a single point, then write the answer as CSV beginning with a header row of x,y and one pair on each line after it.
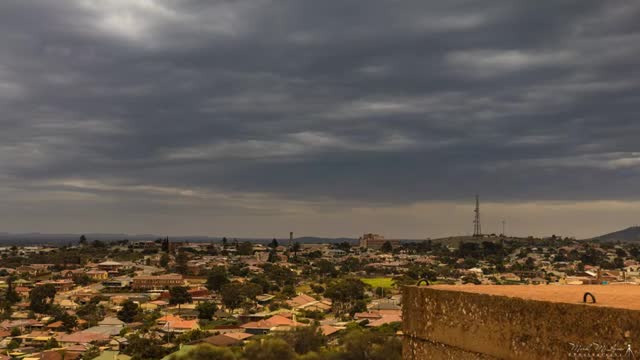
x,y
477,228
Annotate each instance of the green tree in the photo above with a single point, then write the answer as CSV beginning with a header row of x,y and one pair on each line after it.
x,y
129,312
149,320
269,349
181,263
473,262
83,240
15,332
317,356
13,344
82,279
592,256
289,291
92,312
91,353
245,248
369,345
347,295
279,275
179,295
231,294
326,268
141,348
216,278
7,310
205,352
470,279
98,244
164,260
295,248
41,298
273,256
56,311
304,339
69,322
206,310
530,264
52,343
11,296
191,336
251,290
618,263
387,247
350,265
273,244
238,270
262,281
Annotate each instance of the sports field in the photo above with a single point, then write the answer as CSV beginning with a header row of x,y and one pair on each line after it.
x,y
383,282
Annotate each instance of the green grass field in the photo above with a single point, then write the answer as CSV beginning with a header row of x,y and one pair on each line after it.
x,y
383,282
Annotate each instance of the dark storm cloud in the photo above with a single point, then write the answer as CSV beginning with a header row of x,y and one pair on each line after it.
x,y
374,102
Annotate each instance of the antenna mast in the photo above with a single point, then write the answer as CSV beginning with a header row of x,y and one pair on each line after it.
x,y
477,228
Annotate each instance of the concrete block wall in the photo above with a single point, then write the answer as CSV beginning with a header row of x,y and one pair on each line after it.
x,y
446,324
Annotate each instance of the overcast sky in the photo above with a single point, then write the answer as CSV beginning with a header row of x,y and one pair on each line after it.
x,y
331,118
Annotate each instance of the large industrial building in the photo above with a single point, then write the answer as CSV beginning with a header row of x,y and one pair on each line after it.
x,y
375,241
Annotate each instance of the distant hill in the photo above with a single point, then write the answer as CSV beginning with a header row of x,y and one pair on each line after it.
x,y
70,238
455,240
631,234
321,240
64,239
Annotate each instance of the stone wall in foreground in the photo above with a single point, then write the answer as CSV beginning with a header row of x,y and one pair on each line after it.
x,y
444,324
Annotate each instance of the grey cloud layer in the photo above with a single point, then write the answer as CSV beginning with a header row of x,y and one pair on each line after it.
x,y
370,102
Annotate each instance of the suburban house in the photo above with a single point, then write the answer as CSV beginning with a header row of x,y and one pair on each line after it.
x,y
159,282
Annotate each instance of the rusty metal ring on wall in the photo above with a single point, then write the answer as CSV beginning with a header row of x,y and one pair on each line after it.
x,y
584,298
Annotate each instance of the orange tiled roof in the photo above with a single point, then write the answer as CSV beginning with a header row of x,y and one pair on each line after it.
x,y
169,318
238,335
385,319
182,324
367,315
273,321
328,330
301,299
83,338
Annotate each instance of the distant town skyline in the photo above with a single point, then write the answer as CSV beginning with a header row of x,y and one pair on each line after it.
x,y
255,118
414,222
